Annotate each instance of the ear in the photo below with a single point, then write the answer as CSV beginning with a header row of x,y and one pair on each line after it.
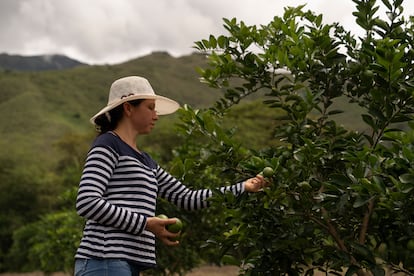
x,y
127,107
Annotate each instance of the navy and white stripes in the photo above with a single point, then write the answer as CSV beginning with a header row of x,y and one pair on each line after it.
x,y
118,191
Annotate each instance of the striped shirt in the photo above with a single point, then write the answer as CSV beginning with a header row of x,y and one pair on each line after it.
x,y
118,191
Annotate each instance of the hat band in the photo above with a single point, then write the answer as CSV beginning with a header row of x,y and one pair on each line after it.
x,y
125,96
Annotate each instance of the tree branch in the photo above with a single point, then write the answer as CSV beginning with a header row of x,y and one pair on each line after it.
x,y
332,230
365,221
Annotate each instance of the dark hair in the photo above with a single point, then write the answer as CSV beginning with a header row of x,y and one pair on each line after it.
x,y
109,120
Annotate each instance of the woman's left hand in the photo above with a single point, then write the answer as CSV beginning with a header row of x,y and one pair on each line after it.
x,y
255,184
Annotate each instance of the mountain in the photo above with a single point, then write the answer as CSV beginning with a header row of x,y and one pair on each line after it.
x,y
37,63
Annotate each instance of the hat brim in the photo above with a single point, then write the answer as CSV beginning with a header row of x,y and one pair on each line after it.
x,y
163,105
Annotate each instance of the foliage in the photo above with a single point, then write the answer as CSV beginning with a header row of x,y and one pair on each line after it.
x,y
22,200
340,198
195,170
47,132
47,244
338,195
52,169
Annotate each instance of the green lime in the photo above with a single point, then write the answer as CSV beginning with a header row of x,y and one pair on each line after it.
x,y
175,227
368,73
305,185
382,248
410,245
162,216
268,172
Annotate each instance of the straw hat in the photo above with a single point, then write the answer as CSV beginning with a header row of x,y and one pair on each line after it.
x,y
134,88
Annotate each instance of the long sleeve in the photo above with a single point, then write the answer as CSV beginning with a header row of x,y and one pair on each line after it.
x,y
117,193
98,202
175,192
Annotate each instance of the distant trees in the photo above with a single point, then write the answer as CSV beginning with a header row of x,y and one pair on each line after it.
x,y
39,226
47,244
17,200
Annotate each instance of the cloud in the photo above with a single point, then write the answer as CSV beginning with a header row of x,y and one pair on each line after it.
x,y
107,31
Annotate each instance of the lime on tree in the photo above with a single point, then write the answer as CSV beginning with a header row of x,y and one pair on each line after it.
x,y
268,172
410,245
382,248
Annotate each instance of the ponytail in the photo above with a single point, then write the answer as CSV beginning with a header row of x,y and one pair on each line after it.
x,y
109,120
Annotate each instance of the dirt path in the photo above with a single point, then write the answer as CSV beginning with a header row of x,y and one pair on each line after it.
x,y
214,271
201,271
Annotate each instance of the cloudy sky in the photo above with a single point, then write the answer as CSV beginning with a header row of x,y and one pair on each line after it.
x,y
114,31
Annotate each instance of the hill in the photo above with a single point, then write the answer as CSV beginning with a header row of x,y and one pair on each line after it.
x,y
44,108
41,108
37,63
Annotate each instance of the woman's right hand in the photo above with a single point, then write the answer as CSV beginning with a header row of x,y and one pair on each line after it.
x,y
158,225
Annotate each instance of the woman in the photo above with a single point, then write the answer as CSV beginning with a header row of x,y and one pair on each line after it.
x,y
120,184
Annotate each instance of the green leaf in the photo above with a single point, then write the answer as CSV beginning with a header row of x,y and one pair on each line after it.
x,y
318,20
340,179
369,120
299,156
387,4
212,42
407,178
222,41
205,43
379,183
337,111
230,260
362,252
360,201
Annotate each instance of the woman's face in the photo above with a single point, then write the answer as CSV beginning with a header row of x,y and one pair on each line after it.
x,y
143,116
